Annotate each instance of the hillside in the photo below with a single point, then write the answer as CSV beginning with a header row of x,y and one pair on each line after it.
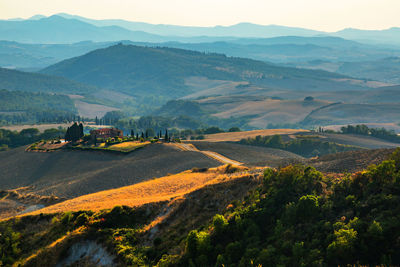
x,y
34,82
162,71
37,56
385,70
74,173
56,29
342,113
312,219
25,107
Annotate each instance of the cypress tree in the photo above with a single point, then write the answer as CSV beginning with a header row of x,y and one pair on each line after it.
x,y
132,133
166,135
67,136
80,130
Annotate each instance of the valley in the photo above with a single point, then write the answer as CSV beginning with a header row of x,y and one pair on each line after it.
x,y
126,143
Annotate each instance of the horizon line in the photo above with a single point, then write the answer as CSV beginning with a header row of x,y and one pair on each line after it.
x,y
196,26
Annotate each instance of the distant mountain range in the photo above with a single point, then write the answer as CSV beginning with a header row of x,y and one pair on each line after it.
x,y
65,28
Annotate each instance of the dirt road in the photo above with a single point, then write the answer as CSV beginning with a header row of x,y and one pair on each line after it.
x,y
211,154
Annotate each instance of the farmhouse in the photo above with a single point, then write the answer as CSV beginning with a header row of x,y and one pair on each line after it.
x,y
106,133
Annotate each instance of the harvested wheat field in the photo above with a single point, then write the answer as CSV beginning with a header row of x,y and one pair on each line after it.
x,y
249,155
237,136
160,189
70,174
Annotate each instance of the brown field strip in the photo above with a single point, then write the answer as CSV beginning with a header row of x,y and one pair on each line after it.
x,y
211,154
237,136
160,189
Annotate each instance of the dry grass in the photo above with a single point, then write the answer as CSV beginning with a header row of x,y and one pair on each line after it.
x,y
155,190
128,146
237,136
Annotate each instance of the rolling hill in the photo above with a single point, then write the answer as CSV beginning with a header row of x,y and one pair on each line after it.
x,y
34,82
342,113
385,70
56,29
163,71
70,174
287,49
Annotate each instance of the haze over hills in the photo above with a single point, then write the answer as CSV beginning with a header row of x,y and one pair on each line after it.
x,y
164,71
290,49
32,31
56,29
35,82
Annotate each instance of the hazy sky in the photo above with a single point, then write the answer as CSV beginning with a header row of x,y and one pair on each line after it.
x,y
328,15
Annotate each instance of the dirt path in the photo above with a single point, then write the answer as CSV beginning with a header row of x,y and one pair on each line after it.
x,y
211,154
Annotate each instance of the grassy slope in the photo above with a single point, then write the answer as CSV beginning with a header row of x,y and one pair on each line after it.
x,y
160,189
35,82
74,173
354,113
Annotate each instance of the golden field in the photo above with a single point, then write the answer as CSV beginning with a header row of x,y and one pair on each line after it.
x,y
160,189
237,136
128,146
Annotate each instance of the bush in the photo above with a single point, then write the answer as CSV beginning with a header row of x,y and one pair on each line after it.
x,y
234,129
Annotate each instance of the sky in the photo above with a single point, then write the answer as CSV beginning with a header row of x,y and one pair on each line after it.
x,y
325,15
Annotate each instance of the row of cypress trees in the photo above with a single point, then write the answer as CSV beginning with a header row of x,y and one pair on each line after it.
x,y
74,133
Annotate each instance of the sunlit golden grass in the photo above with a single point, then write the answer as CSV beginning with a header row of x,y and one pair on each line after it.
x,y
160,189
128,146
237,136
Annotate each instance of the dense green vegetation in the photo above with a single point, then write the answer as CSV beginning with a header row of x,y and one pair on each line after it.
x,y
18,107
116,228
381,133
27,136
308,146
301,218
295,217
174,123
35,82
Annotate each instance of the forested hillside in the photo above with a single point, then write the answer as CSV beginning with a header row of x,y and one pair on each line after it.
x,y
35,82
18,107
138,70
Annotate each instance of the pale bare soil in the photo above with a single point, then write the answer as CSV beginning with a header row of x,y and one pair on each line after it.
x,y
43,127
355,114
359,140
237,136
271,111
40,127
92,110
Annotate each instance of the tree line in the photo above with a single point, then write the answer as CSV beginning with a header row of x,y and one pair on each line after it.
x,y
11,139
307,146
381,133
